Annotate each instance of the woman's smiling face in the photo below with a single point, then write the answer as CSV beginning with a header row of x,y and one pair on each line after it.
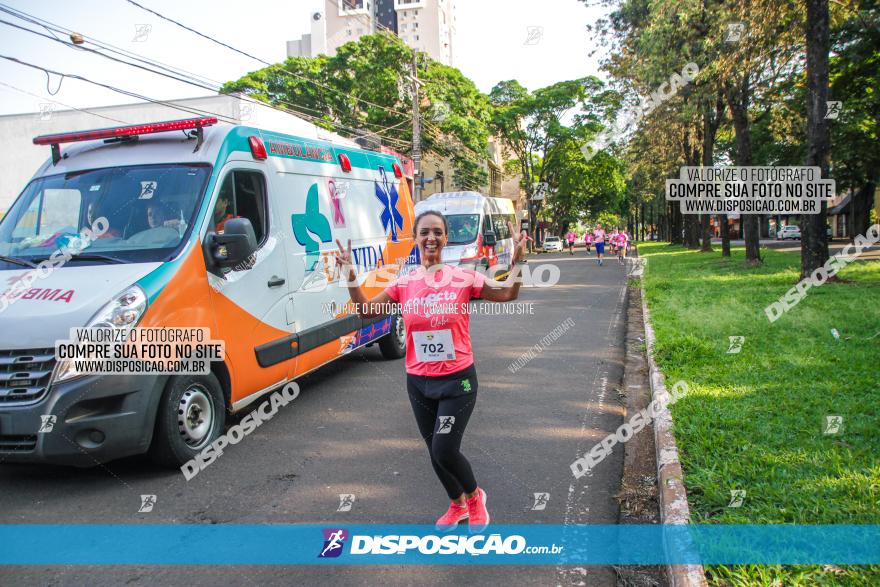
x,y
431,237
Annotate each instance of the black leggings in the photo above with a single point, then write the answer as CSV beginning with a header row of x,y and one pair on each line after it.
x,y
443,436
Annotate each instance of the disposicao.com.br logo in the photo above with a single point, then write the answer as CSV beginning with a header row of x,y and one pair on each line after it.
x,y
401,544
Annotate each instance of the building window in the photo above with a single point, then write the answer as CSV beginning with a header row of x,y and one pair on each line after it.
x,y
494,181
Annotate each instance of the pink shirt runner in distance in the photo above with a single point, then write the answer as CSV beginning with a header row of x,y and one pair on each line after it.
x,y
436,299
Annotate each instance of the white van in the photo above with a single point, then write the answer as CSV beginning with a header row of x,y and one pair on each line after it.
x,y
210,225
478,232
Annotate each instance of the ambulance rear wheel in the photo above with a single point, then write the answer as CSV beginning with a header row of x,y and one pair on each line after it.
x,y
192,415
393,344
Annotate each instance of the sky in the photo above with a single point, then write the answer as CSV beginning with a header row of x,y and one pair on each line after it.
x,y
537,43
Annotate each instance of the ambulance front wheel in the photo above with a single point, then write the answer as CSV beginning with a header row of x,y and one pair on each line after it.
x,y
192,415
393,344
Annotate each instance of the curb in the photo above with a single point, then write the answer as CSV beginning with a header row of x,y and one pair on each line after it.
x,y
671,491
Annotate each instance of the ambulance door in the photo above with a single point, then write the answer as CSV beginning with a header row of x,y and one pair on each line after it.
x,y
488,253
252,300
318,210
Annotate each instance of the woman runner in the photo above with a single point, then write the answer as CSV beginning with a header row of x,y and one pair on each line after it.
x,y
441,380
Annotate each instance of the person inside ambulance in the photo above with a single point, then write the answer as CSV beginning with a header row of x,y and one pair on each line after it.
x,y
93,212
162,227
155,215
221,214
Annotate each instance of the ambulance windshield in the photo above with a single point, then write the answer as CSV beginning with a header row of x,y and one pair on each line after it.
x,y
462,228
130,214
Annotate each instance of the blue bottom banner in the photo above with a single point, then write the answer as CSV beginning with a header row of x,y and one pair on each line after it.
x,y
353,544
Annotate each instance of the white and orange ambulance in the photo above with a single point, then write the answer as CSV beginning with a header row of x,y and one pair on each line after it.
x,y
208,224
479,235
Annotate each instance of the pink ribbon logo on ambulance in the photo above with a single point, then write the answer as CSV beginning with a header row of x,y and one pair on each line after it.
x,y
336,204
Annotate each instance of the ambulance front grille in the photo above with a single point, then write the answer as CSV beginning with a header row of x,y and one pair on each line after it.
x,y
25,375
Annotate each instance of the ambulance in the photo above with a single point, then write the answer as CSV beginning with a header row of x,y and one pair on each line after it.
x,y
479,236
208,224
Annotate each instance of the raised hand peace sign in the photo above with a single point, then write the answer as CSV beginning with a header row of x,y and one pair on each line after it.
x,y
520,241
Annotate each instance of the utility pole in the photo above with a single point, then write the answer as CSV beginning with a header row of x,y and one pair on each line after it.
x,y
417,132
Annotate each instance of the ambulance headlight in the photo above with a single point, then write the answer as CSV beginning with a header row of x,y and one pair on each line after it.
x,y
470,252
121,313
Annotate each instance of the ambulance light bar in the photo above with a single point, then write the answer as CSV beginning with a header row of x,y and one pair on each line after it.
x,y
120,132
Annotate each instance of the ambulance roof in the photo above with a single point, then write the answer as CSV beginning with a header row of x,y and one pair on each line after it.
x,y
177,147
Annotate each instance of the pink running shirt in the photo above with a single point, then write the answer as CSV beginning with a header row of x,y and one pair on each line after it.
x,y
600,235
432,302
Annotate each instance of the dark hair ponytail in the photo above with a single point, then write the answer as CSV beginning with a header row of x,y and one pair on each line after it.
x,y
431,213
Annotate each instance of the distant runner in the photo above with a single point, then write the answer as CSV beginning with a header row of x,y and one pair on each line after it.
x,y
622,242
599,239
588,240
571,237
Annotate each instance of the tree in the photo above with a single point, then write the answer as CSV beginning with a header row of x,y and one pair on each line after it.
x,y
854,69
532,127
597,184
364,89
814,245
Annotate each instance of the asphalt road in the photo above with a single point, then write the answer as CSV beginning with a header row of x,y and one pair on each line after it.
x,y
351,431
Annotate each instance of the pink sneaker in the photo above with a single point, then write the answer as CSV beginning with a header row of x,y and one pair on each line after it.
x,y
455,514
478,518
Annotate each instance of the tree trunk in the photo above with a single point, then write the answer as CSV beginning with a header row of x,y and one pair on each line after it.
x,y
724,231
739,102
691,231
709,127
860,208
674,222
705,234
642,229
711,122
814,243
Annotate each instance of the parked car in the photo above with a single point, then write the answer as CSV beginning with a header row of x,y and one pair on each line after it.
x,y
789,231
552,243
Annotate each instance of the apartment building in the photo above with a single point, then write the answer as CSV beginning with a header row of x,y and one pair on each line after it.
x,y
424,25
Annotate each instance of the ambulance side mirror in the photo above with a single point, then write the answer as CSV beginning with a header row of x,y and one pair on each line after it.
x,y
489,239
237,243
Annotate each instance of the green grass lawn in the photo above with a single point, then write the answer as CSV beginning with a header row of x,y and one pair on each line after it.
x,y
754,420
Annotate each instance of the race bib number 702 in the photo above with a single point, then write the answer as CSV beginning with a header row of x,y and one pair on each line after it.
x,y
433,345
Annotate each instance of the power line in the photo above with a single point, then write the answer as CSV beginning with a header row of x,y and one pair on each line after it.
x,y
193,79
203,85
191,110
11,87
426,125
198,80
272,65
52,28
